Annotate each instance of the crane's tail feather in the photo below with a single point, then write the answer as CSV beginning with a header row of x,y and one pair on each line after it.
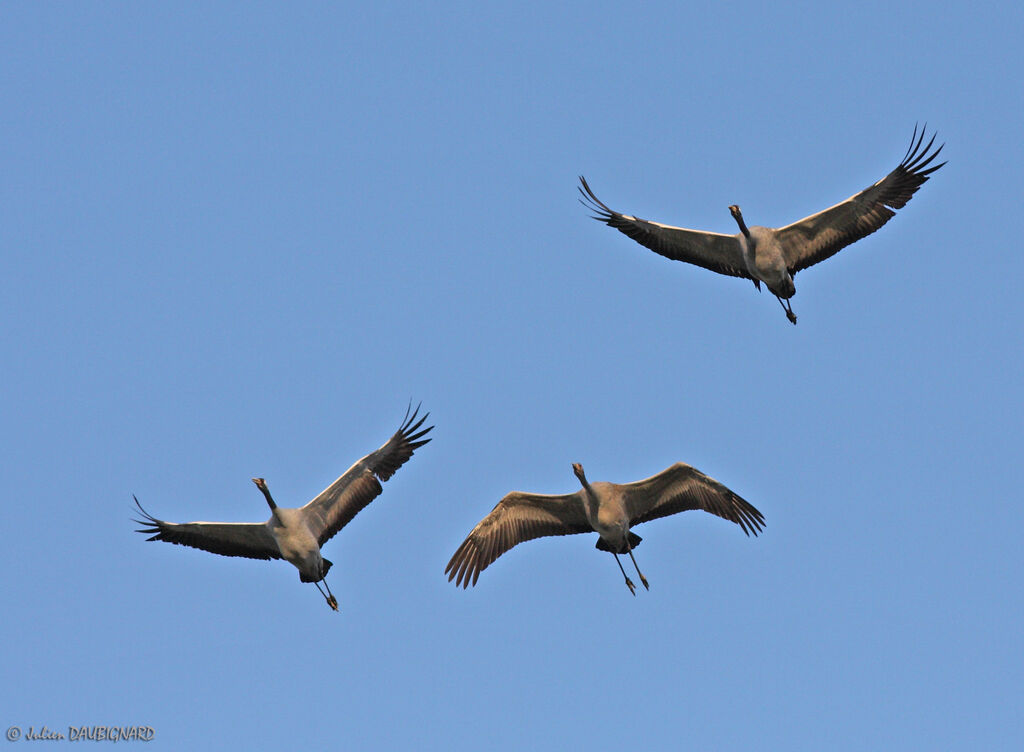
x,y
634,541
323,573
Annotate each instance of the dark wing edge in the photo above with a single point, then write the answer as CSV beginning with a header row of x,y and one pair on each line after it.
x,y
819,236
385,461
337,504
517,518
681,488
710,250
249,539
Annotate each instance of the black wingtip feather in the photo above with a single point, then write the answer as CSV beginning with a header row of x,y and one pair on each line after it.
x,y
912,149
916,158
602,213
409,438
150,526
409,428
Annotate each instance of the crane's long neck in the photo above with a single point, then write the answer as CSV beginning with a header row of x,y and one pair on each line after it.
x,y
591,501
739,220
589,495
262,486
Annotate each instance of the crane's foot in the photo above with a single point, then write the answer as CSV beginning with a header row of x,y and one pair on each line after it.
x,y
333,602
644,581
631,586
787,308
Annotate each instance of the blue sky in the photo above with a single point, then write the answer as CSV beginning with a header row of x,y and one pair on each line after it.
x,y
238,240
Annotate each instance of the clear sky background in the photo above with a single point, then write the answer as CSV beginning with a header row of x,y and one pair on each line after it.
x,y
238,239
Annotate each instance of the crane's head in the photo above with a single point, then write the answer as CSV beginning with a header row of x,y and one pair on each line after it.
x,y
735,211
262,486
577,469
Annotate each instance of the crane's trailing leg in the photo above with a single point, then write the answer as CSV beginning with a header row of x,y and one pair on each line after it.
x,y
331,600
629,582
787,308
328,596
642,578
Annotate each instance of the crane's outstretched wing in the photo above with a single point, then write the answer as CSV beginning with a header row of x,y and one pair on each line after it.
x,y
824,234
337,504
681,488
516,518
249,539
712,250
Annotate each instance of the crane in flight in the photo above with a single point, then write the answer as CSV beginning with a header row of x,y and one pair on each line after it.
x,y
609,509
773,255
297,534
